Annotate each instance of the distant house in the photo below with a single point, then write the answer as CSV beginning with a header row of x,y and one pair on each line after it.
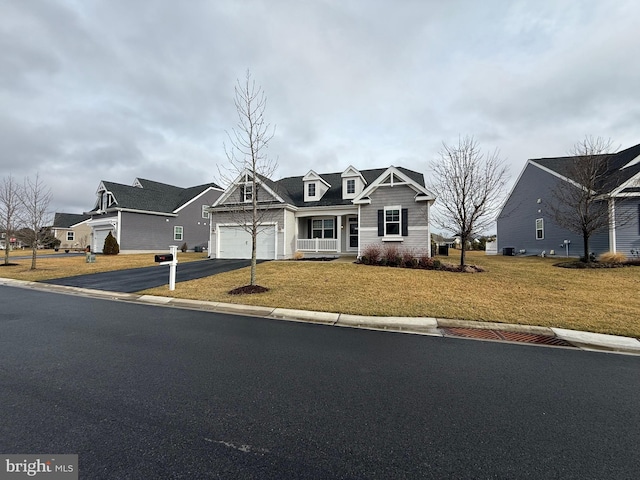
x,y
325,214
150,216
72,230
525,226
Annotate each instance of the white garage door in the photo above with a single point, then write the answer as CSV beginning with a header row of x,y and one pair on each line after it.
x,y
235,242
99,236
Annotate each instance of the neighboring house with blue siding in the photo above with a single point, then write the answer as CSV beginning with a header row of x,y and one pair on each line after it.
x,y
324,214
151,216
526,226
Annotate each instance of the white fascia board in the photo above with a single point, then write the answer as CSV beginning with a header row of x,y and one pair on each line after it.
x,y
209,189
351,171
326,211
312,176
405,181
632,182
145,212
633,162
231,188
556,174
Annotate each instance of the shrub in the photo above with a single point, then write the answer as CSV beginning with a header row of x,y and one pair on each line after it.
x,y
391,255
612,257
408,259
184,247
371,254
111,246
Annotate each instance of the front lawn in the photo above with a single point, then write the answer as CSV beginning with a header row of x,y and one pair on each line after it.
x,y
50,264
523,290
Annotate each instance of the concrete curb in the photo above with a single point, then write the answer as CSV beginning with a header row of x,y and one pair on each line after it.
x,y
416,325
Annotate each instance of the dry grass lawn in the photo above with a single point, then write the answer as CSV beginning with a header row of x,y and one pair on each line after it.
x,y
523,290
50,264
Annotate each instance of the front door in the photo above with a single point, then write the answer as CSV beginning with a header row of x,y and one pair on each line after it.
x,y
353,233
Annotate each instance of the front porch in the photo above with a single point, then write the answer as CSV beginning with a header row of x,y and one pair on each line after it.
x,y
327,234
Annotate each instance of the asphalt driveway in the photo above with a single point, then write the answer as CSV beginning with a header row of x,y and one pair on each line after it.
x,y
136,279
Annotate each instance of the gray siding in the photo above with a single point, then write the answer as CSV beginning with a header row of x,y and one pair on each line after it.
x,y
403,196
628,220
516,224
141,231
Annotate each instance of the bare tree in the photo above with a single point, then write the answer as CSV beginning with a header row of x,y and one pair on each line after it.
x,y
247,156
35,199
9,210
582,206
468,186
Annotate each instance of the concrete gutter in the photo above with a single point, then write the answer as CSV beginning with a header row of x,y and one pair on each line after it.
x,y
415,325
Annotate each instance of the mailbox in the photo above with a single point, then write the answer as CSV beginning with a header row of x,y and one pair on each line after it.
x,y
164,257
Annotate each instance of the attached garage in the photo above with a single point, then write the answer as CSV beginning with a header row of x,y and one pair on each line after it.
x,y
235,242
99,235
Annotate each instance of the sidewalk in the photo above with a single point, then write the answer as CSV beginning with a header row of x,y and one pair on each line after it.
x,y
440,327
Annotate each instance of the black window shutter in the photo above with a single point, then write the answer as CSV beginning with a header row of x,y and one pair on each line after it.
x,y
309,229
381,223
405,222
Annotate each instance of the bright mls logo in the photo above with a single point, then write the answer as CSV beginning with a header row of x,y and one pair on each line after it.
x,y
49,467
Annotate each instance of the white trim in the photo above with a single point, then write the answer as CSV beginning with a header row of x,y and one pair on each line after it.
x,y
181,239
393,172
118,230
328,211
386,236
556,174
539,229
633,162
197,197
632,182
612,225
231,188
312,176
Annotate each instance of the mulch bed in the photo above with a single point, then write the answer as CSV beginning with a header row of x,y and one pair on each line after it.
x,y
248,289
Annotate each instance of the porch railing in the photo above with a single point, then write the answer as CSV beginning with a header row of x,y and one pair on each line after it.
x,y
317,244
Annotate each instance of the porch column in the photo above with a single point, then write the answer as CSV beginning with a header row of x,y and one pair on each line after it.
x,y
339,231
612,225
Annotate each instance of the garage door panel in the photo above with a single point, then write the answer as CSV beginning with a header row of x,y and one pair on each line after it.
x,y
235,242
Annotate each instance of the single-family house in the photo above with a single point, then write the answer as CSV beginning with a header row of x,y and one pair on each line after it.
x,y
525,224
72,229
323,214
151,216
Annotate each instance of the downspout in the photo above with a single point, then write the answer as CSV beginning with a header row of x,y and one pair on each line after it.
x,y
612,224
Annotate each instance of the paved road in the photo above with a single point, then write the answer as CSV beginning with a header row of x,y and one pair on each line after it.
x,y
146,392
137,279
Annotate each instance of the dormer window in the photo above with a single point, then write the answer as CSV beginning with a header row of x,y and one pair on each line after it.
x,y
314,187
311,189
248,192
105,200
353,183
351,186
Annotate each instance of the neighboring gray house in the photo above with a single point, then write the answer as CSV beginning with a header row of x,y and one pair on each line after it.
x,y
325,214
150,216
525,226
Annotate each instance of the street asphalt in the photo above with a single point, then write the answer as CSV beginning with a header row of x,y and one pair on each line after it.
x,y
139,391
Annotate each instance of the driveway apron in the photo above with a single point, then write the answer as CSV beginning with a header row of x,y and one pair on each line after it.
x,y
136,279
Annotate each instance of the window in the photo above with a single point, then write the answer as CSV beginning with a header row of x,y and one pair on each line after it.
x,y
178,233
322,228
392,221
351,186
539,229
311,190
205,213
71,236
248,192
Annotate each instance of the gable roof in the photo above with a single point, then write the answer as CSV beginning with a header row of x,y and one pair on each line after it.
x,y
621,167
151,196
68,220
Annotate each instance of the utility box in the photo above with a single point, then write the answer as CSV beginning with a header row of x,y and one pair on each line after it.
x,y
443,250
91,258
164,257
508,251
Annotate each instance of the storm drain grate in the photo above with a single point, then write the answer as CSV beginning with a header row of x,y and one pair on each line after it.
x,y
507,336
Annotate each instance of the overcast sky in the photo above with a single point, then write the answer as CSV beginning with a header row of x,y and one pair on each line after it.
x,y
95,90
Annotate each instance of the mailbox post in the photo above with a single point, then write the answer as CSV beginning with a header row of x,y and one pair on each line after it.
x,y
170,259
